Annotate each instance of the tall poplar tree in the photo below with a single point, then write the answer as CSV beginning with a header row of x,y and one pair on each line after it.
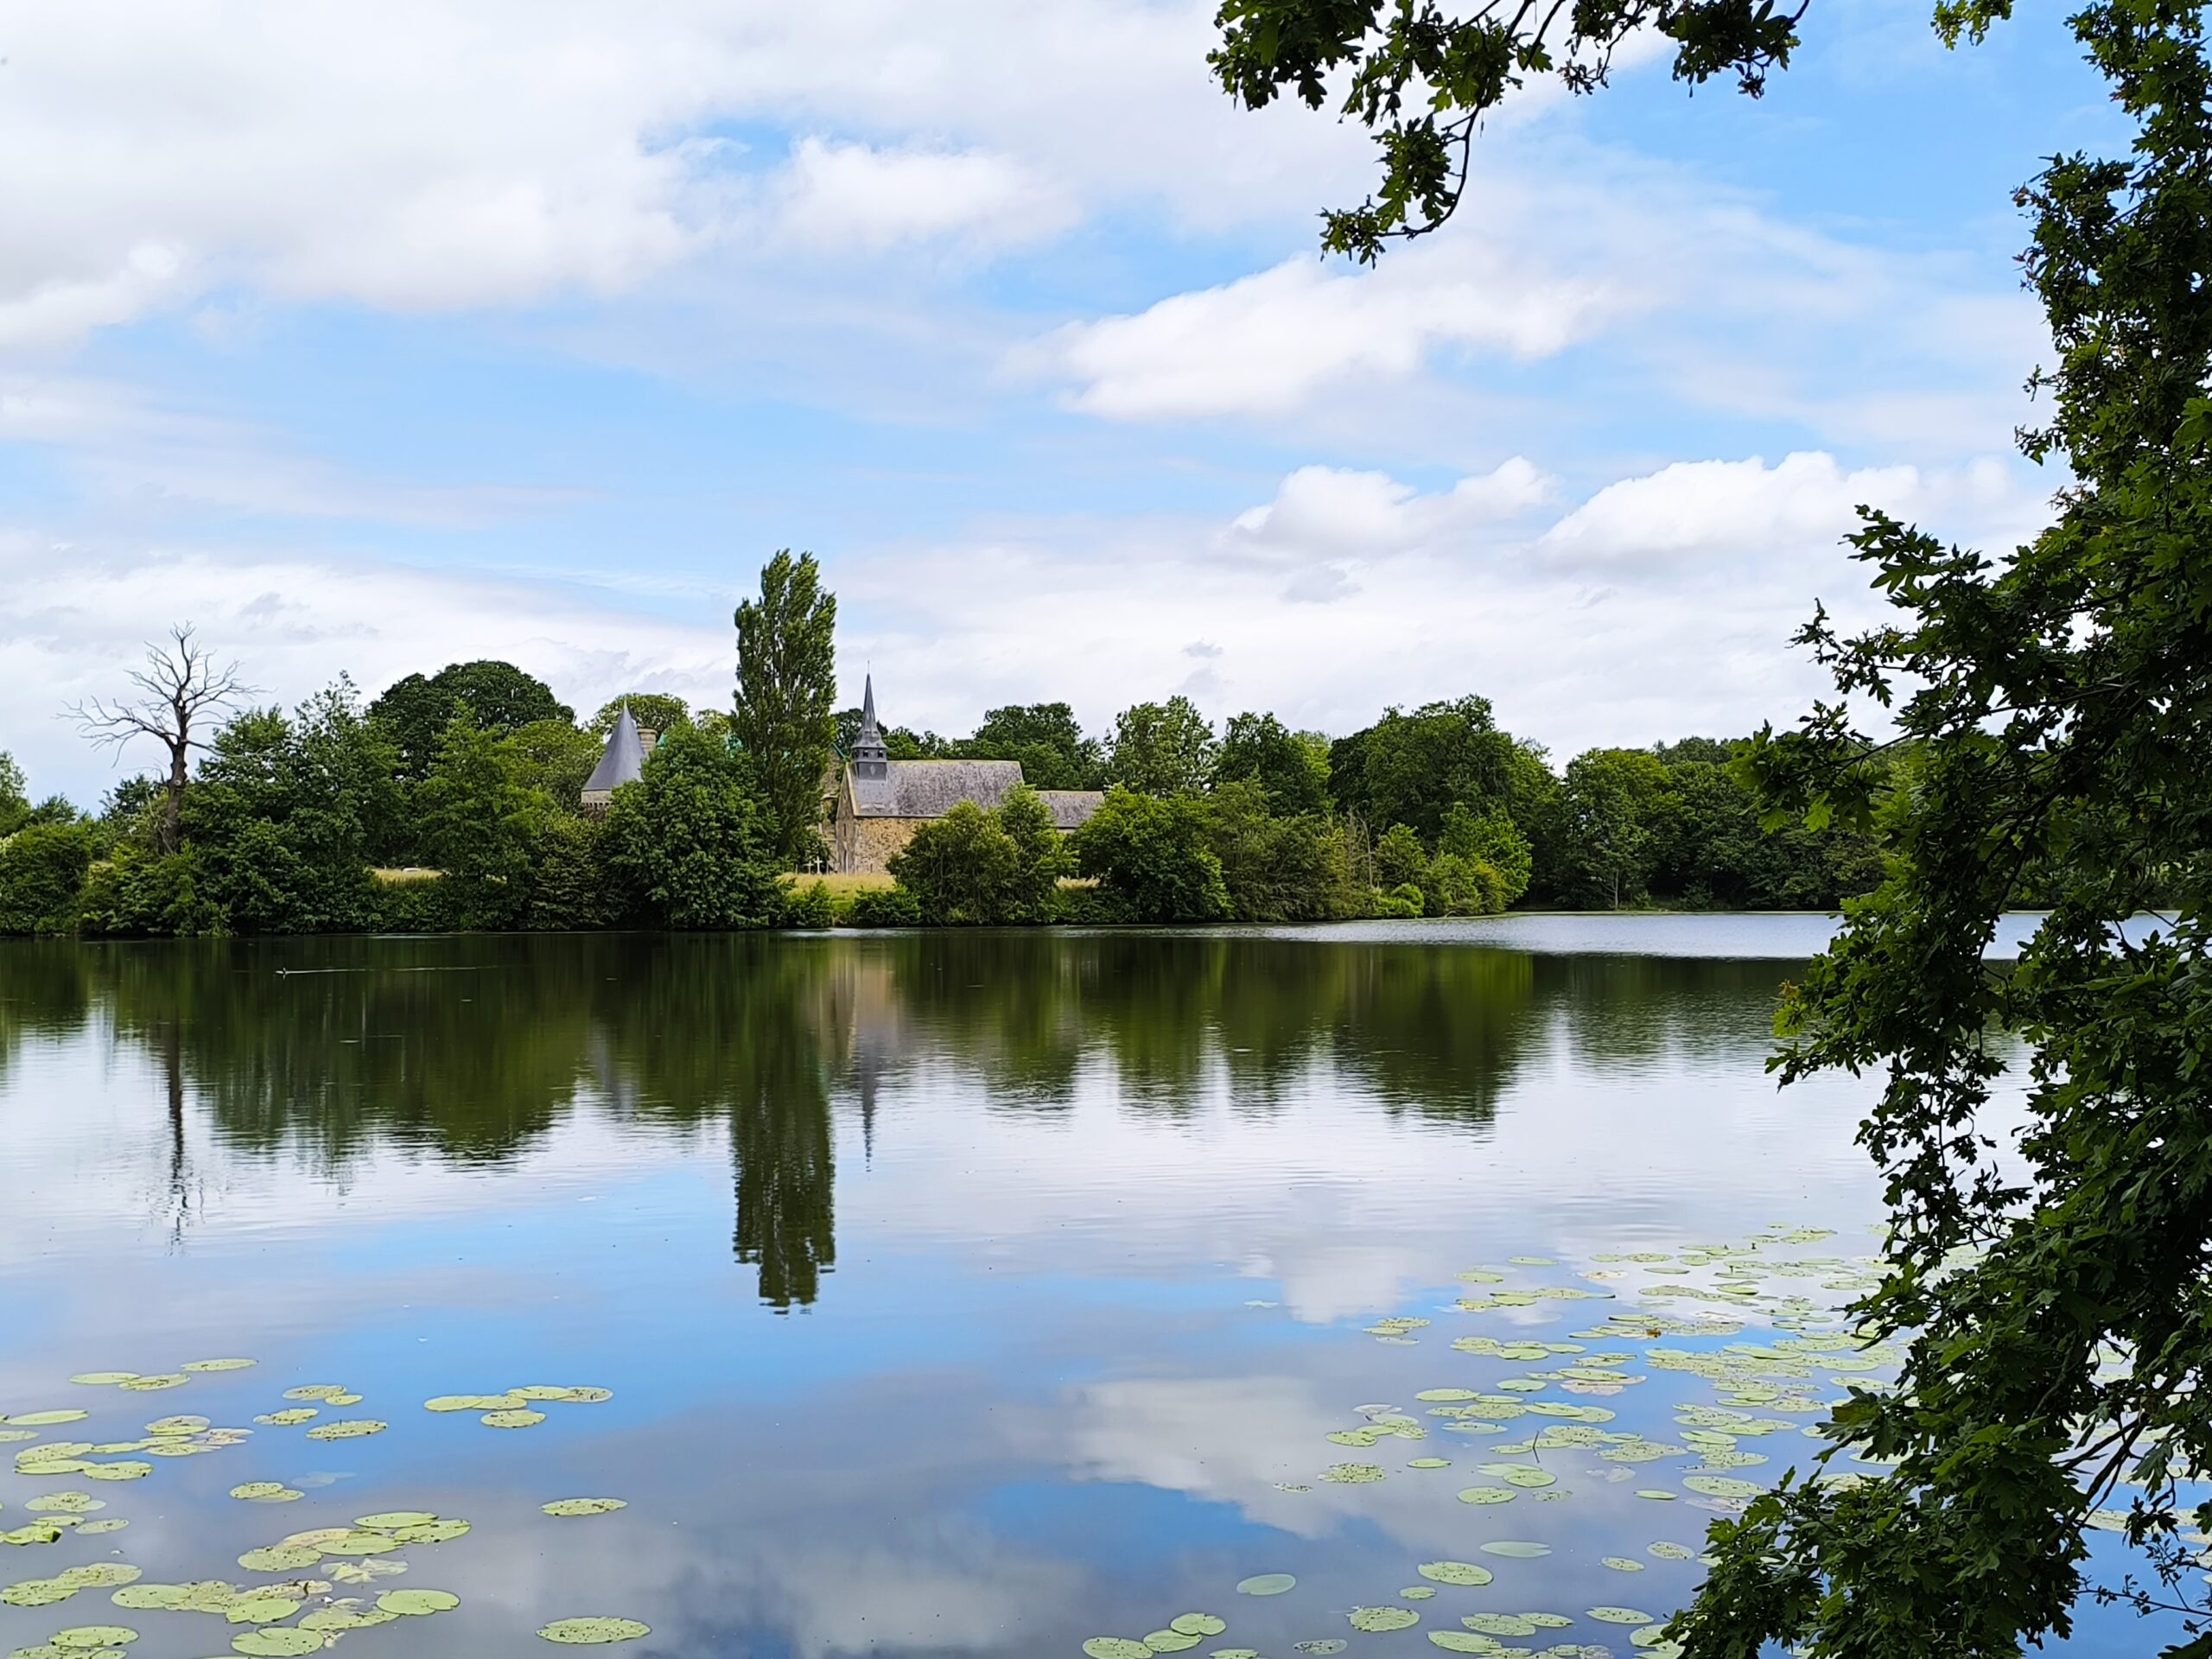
x,y
784,718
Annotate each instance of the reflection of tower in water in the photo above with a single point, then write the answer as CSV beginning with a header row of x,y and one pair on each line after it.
x,y
782,1143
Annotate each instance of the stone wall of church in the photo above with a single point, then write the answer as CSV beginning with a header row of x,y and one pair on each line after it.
x,y
865,846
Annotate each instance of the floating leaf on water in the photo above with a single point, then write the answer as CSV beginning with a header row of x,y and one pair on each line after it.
x,y
1169,1641
1323,1647
353,1430
1234,1653
264,1491
568,1506
289,1416
280,1558
261,1609
104,1379
518,1419
1619,1616
1352,1474
1197,1624
1377,1619
127,1470
278,1643
1464,1642
1515,1549
1455,1573
1428,1463
362,1542
155,1384
95,1636
37,1592
584,1630
315,1391
1666,1552
145,1598
1655,1495
1265,1584
217,1365
1722,1486
416,1603
45,1419
1115,1646
1500,1623
1621,1563
65,1503
1488,1495
1417,1592
109,1524
178,1425
318,1538
459,1402
38,1532
433,1532
346,1618
47,1468
99,1575
393,1520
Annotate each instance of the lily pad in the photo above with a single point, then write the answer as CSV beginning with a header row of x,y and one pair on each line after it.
x,y
1265,1584
1673,1552
280,1558
346,1618
1621,1563
1198,1624
1115,1646
1169,1641
129,1470
289,1416
1722,1486
353,1430
37,1592
104,1379
1322,1647
433,1532
1488,1495
281,1643
45,1419
1428,1463
393,1520
261,1609
415,1603
1377,1619
1500,1623
218,1365
99,1575
1655,1494
1619,1616
95,1636
569,1506
155,1384
264,1491
1464,1642
580,1631
1352,1474
1455,1573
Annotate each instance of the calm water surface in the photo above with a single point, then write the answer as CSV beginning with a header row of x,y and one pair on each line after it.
x,y
957,1294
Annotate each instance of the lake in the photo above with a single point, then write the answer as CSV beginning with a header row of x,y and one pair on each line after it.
x,y
915,1293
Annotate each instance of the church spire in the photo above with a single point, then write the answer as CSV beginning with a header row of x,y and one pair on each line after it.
x,y
870,758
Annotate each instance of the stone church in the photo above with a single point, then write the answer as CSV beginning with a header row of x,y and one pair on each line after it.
x,y
872,804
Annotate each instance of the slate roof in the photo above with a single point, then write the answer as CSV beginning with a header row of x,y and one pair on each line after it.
x,y
929,789
623,762
1072,808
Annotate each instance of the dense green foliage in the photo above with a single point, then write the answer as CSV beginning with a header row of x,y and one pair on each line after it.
x,y
655,711
2053,715
1161,748
1291,768
1152,858
497,696
786,689
972,867
692,840
1045,737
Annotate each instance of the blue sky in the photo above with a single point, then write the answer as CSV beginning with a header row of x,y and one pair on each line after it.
x,y
370,339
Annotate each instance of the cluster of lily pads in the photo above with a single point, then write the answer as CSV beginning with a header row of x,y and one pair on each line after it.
x,y
298,1609
1761,1389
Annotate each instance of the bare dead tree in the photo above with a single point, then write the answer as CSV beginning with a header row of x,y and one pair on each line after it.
x,y
181,682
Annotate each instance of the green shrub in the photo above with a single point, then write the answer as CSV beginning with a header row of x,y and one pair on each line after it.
x,y
136,893
809,906
886,907
690,842
1151,856
1404,900
42,870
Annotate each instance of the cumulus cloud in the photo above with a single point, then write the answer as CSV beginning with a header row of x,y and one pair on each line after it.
x,y
854,196
1269,343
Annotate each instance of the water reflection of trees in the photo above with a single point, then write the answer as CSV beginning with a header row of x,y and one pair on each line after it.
x,y
472,1049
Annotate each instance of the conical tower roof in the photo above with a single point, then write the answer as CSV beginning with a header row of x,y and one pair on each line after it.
x,y
623,762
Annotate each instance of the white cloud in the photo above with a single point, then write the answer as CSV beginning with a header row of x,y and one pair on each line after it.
x,y
1270,343
853,196
1331,511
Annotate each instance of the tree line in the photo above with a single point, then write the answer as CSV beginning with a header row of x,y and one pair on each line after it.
x,y
452,800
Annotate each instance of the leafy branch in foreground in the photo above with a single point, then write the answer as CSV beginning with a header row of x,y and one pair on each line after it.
x,y
1421,79
2049,1230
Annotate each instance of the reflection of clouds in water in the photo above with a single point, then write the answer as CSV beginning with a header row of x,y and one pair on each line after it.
x,y
1337,1279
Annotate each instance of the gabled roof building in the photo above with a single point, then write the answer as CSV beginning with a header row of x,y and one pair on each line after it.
x,y
876,803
